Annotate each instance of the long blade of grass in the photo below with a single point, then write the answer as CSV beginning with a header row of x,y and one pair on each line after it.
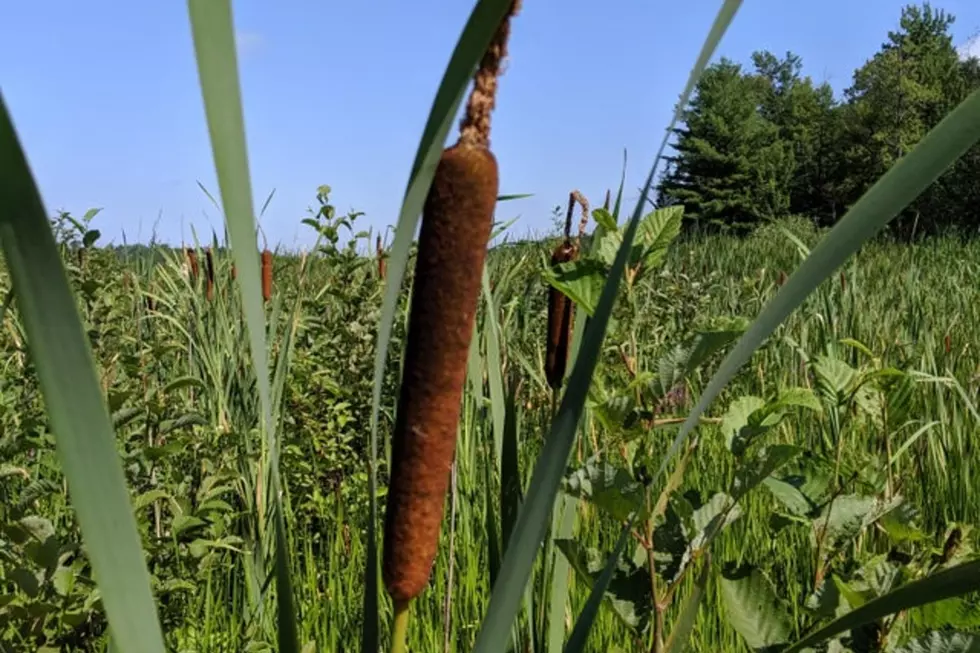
x,y
950,582
78,415
533,519
494,364
895,190
472,44
214,45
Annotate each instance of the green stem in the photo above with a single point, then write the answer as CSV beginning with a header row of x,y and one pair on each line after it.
x,y
398,635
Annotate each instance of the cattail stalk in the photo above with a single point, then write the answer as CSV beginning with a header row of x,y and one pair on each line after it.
x,y
456,223
382,260
192,264
560,315
266,274
209,269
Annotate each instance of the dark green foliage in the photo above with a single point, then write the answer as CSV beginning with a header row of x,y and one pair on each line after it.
x,y
771,142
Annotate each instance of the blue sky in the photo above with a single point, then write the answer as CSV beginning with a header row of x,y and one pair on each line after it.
x,y
105,97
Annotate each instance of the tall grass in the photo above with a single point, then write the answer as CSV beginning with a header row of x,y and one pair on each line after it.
x,y
263,578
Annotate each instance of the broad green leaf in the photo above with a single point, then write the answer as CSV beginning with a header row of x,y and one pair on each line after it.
x,y
942,642
959,613
608,487
604,218
752,608
657,231
757,467
628,591
76,409
681,361
948,583
609,243
736,423
581,281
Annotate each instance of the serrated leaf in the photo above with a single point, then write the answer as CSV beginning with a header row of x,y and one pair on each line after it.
x,y
760,466
958,613
604,219
37,527
628,593
827,600
183,524
753,609
608,487
25,580
681,361
833,378
655,234
581,281
736,426
945,642
948,583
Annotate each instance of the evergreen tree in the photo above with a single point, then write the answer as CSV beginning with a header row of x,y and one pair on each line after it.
x,y
731,168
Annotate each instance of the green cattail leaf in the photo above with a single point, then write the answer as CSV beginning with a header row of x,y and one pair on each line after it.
x,y
77,412
540,498
214,45
470,48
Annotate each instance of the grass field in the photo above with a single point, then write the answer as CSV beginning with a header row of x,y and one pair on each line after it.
x,y
877,374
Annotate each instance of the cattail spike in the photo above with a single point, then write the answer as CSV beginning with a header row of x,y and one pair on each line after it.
x,y
456,222
209,269
266,275
192,264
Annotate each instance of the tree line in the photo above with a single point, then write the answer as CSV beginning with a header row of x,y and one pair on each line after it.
x,y
767,141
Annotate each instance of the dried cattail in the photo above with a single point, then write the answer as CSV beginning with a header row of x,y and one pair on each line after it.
x,y
952,545
382,261
266,274
843,282
456,223
948,343
584,222
560,314
234,272
192,264
150,303
209,269
782,278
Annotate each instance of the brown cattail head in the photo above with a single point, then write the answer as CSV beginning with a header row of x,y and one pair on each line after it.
x,y
150,303
234,272
560,318
843,282
456,221
266,274
382,260
209,269
192,264
948,343
456,224
782,278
